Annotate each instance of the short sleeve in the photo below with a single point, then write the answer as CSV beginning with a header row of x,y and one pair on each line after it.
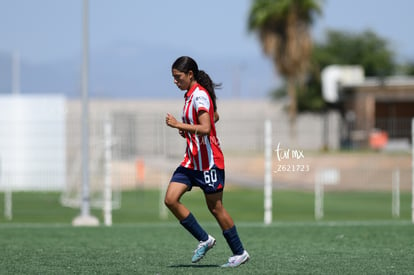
x,y
201,102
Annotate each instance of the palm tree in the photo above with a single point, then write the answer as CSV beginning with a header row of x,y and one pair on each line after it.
x,y
283,29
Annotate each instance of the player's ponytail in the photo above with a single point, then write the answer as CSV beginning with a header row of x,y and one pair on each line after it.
x,y
186,64
204,80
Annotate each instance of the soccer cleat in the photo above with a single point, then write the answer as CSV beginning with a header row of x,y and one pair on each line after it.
x,y
237,260
202,249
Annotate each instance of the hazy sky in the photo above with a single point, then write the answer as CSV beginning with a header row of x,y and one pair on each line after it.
x,y
47,30
134,42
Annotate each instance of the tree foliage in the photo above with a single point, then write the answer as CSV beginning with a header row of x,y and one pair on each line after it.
x,y
283,29
407,68
367,49
282,26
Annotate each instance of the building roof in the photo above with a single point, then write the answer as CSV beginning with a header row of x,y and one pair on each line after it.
x,y
388,81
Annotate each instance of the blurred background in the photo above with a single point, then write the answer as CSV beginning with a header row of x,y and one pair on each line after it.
x,y
334,78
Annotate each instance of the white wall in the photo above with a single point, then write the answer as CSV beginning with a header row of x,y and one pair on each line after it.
x,y
32,142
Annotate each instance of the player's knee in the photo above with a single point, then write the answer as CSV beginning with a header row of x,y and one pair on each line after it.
x,y
170,202
215,210
167,202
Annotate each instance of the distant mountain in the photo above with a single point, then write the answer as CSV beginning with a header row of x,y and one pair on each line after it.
x,y
59,77
5,73
130,71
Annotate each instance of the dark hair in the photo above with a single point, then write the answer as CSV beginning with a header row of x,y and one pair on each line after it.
x,y
185,64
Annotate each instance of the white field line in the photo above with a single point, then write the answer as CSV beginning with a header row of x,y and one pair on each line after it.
x,y
213,224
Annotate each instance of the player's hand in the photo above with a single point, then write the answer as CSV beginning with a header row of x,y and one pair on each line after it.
x,y
171,121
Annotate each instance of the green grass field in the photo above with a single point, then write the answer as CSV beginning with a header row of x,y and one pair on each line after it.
x,y
357,236
245,205
165,248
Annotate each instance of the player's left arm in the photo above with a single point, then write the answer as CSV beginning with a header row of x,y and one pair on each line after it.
x,y
203,128
216,117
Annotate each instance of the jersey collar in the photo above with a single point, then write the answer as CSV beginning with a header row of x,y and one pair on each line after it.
x,y
191,91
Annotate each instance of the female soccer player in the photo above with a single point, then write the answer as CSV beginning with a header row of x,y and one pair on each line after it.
x,y
203,163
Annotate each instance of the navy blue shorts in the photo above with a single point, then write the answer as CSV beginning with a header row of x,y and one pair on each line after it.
x,y
211,181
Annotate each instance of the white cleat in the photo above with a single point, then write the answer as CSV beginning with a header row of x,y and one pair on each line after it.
x,y
202,249
237,260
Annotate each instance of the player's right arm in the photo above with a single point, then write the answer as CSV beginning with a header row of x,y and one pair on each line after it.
x,y
203,127
216,118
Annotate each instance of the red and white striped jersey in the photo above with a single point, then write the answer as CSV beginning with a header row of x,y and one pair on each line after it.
x,y
202,152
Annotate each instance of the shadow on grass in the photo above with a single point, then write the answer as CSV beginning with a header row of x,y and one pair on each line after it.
x,y
194,266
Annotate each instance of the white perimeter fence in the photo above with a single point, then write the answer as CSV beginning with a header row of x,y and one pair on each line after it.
x,y
143,151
